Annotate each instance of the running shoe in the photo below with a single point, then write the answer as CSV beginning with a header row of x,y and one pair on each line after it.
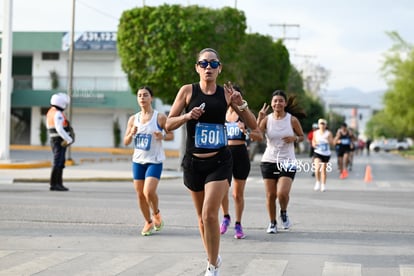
x,y
158,222
285,220
323,187
272,228
345,173
224,225
147,230
239,232
317,186
213,270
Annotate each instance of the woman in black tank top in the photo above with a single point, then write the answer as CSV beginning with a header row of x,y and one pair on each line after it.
x,y
207,163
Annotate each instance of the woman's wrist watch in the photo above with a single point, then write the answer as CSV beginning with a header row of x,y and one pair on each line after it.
x,y
243,106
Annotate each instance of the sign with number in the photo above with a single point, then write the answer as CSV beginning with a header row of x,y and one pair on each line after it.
x,y
142,141
210,136
233,131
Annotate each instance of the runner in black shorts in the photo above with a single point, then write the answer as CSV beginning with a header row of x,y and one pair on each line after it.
x,y
343,140
237,134
207,165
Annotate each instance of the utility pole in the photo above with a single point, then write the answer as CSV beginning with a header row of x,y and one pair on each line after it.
x,y
70,82
284,26
6,86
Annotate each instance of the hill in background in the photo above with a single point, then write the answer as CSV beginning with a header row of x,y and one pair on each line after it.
x,y
352,95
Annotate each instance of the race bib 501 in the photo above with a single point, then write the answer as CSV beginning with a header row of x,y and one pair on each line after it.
x,y
210,136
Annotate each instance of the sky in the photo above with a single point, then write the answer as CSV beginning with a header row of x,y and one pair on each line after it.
x,y
348,38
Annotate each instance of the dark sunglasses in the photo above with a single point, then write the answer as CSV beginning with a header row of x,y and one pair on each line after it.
x,y
204,63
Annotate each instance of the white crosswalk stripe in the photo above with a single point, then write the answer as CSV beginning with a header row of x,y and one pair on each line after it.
x,y
5,253
40,263
114,266
95,263
341,269
265,267
406,270
188,267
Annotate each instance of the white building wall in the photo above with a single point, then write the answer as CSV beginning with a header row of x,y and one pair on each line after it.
x,y
35,126
41,70
92,71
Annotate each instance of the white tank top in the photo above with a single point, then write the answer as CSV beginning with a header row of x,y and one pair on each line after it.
x,y
278,151
146,148
322,143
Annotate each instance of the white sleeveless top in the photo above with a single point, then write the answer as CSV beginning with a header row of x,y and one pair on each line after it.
x,y
278,151
322,143
146,148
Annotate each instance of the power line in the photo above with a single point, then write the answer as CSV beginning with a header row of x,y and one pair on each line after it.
x,y
284,26
98,10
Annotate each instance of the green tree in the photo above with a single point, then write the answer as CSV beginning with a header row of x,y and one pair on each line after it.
x,y
295,82
380,125
157,45
398,70
263,67
257,69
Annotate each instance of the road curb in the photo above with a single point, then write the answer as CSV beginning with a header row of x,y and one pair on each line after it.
x,y
85,179
26,165
118,154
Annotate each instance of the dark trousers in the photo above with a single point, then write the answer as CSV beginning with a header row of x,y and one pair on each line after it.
x,y
59,158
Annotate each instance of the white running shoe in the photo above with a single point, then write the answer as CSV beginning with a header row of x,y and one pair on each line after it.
x,y
323,187
317,186
272,228
285,221
213,270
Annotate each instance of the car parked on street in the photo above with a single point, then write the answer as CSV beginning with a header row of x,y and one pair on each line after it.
x,y
389,144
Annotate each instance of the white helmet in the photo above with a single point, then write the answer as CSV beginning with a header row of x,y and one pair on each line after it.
x,y
60,99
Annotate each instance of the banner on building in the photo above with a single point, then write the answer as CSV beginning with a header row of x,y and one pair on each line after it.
x,y
92,41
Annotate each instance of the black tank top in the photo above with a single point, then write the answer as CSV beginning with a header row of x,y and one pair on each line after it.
x,y
345,139
215,113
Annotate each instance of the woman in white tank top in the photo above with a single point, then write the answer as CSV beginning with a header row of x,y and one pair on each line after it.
x,y
322,141
278,165
146,130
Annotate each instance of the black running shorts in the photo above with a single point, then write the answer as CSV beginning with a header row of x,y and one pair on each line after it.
x,y
199,171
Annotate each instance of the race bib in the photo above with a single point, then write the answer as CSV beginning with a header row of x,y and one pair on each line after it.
x,y
142,141
345,141
323,147
210,136
233,131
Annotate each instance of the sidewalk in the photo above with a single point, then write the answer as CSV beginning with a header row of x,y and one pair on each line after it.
x,y
30,164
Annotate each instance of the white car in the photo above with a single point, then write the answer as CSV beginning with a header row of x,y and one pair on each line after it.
x,y
389,144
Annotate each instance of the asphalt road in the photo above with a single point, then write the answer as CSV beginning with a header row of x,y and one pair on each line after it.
x,y
355,228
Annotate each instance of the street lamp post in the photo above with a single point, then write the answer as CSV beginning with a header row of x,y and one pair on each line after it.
x,y
6,86
70,82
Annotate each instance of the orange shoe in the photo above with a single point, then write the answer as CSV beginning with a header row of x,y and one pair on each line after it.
x,y
342,175
345,173
158,222
148,228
